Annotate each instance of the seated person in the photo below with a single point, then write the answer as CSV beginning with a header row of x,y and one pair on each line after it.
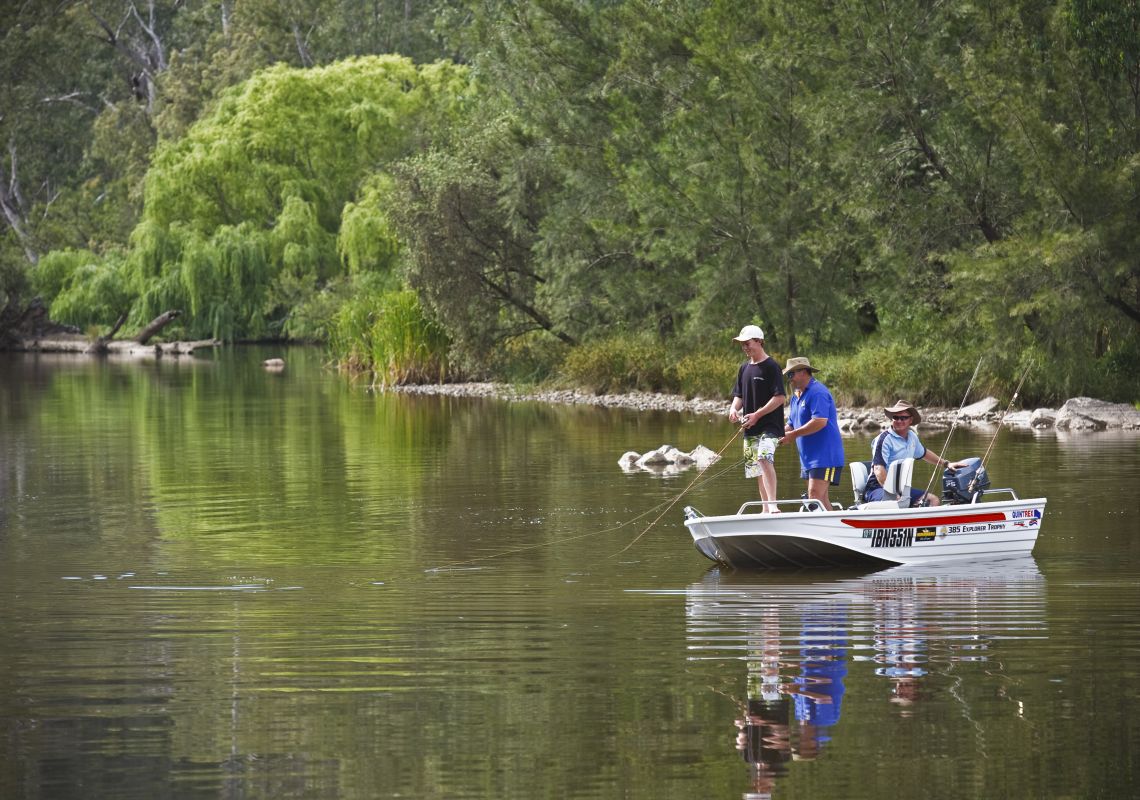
x,y
895,444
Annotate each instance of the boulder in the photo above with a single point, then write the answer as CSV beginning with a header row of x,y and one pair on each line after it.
x,y
978,409
628,460
1044,418
1086,413
1019,419
668,460
654,457
703,457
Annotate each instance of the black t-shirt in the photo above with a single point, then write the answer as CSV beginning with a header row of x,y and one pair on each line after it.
x,y
756,384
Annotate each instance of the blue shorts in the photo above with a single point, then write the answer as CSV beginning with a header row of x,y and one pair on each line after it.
x,y
829,474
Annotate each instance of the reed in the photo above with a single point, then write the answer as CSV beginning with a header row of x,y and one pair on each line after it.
x,y
389,335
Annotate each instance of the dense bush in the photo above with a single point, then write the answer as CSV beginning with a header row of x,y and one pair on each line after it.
x,y
618,364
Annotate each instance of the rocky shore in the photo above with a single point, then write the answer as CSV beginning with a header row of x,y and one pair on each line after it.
x,y
1078,413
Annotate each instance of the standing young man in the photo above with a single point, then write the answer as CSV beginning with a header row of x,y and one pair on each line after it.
x,y
814,426
758,407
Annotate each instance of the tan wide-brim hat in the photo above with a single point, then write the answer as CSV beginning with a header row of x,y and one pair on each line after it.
x,y
799,363
903,405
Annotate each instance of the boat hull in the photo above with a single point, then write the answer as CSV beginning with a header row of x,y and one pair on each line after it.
x,y
869,536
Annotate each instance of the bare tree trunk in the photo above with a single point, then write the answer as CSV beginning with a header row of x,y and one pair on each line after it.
x,y
790,301
156,325
13,206
302,43
146,51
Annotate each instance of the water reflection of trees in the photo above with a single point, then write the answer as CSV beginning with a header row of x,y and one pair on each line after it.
x,y
801,635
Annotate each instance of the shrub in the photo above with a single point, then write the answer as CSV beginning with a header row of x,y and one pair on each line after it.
x,y
705,374
617,364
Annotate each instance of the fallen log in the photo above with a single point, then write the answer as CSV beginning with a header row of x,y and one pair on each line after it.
x,y
81,344
28,330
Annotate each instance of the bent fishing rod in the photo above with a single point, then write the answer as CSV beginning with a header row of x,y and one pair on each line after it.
x,y
701,477
681,494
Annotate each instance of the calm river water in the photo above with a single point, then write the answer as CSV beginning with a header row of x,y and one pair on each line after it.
x,y
217,581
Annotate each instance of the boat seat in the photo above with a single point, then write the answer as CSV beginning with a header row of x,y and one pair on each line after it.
x,y
896,488
860,471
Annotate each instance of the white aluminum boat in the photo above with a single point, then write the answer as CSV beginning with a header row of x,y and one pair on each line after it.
x,y
884,532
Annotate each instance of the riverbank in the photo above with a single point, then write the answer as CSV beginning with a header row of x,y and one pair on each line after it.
x,y
1079,413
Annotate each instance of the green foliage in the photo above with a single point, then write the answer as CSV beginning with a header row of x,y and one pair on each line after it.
x,y
935,140
469,212
642,363
367,240
13,275
530,359
389,334
82,288
706,374
617,364
897,187
929,371
247,207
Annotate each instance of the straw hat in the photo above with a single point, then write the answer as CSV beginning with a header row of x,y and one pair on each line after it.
x,y
903,405
799,363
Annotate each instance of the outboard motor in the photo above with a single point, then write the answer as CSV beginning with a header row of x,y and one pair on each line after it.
x,y
956,486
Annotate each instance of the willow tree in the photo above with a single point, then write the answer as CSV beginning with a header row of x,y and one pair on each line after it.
x,y
242,215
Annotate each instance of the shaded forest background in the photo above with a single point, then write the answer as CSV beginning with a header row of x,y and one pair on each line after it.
x,y
596,193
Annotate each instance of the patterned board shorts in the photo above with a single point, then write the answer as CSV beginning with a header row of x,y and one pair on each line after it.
x,y
757,449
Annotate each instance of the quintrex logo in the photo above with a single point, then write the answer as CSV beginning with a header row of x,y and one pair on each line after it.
x,y
1028,513
890,537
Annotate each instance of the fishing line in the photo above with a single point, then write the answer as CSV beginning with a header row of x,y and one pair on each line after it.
x,y
701,478
1001,421
954,424
673,502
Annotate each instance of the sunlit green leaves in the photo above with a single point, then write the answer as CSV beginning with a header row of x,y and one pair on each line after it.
x,y
256,191
83,288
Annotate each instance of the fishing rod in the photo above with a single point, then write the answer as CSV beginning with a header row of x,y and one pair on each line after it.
x,y
954,424
981,468
701,477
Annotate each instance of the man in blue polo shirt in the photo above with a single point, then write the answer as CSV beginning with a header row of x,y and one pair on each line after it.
x,y
896,443
814,426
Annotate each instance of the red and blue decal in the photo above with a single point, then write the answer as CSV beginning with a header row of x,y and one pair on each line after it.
x,y
914,522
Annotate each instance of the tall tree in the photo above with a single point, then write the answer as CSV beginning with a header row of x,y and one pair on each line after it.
x,y
470,212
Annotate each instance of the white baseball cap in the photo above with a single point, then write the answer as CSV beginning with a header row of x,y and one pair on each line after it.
x,y
749,332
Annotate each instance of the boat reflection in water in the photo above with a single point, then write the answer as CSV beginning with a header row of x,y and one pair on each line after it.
x,y
801,635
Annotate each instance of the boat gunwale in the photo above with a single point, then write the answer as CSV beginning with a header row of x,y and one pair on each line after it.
x,y
958,509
